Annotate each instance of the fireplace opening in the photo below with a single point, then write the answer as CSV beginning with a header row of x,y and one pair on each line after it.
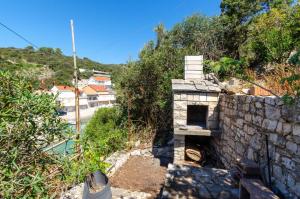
x,y
197,115
199,151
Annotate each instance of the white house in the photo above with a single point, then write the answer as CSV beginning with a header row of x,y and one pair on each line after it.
x,y
66,98
99,95
100,80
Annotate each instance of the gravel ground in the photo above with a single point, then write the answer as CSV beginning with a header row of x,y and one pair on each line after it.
x,y
143,174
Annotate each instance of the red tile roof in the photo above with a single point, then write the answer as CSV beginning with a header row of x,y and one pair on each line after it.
x,y
101,78
98,88
65,88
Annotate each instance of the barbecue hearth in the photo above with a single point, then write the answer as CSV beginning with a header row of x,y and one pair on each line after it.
x,y
195,105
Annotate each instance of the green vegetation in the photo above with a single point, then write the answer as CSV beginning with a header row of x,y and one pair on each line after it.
x,y
102,136
249,37
28,124
47,64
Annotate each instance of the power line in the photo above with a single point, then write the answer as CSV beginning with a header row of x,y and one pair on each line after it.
x,y
19,35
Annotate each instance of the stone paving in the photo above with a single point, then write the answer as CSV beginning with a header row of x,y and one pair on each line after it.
x,y
117,160
199,182
117,193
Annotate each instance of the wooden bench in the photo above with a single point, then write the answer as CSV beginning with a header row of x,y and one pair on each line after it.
x,y
255,189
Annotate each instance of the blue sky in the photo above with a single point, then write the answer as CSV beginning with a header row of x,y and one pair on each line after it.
x,y
110,31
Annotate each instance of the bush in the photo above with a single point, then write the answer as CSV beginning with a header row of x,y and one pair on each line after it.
x,y
28,124
226,67
270,38
102,136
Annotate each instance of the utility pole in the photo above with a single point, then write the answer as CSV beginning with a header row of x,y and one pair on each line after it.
x,y
77,113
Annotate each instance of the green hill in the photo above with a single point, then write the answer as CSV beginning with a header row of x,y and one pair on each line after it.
x,y
46,66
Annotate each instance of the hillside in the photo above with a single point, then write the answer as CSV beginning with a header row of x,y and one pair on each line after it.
x,y
47,65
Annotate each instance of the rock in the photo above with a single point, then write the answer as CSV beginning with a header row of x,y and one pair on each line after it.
x,y
286,128
269,124
273,137
257,120
296,129
291,147
137,143
74,193
225,195
290,181
136,152
258,105
272,112
296,189
203,192
119,193
288,163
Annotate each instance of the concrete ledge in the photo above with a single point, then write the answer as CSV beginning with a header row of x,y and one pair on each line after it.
x,y
196,131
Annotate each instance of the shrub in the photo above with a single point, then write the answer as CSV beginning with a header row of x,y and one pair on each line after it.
x,y
28,124
225,67
270,38
102,136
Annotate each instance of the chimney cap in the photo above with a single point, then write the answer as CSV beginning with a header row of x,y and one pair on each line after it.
x,y
196,58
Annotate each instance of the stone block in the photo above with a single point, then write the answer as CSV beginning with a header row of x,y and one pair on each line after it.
x,y
288,163
273,137
196,97
292,147
296,129
180,105
257,120
251,130
180,114
272,112
183,96
190,97
279,127
270,100
248,117
212,97
269,124
203,97
250,154
286,128
239,123
176,97
277,171
296,189
178,123
258,105
246,107
290,180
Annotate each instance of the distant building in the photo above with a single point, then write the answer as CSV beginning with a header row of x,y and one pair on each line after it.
x,y
100,80
66,97
105,96
92,96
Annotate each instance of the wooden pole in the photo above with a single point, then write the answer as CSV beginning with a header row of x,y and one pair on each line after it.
x,y
77,113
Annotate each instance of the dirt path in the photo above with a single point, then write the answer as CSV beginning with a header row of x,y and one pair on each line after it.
x,y
140,174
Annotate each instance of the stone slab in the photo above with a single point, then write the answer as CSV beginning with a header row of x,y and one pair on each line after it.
x,y
196,131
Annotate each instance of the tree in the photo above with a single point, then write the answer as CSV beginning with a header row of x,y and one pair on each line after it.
x,y
235,16
269,39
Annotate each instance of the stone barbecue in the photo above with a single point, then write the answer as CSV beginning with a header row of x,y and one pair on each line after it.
x,y
195,105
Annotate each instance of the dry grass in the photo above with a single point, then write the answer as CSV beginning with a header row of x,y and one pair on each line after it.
x,y
272,79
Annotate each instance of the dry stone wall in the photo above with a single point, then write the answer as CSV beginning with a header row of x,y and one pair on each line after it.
x,y
246,121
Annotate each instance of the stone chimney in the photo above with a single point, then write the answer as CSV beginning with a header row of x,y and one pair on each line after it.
x,y
193,69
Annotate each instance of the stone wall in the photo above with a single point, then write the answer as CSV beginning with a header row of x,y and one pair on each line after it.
x,y
245,122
